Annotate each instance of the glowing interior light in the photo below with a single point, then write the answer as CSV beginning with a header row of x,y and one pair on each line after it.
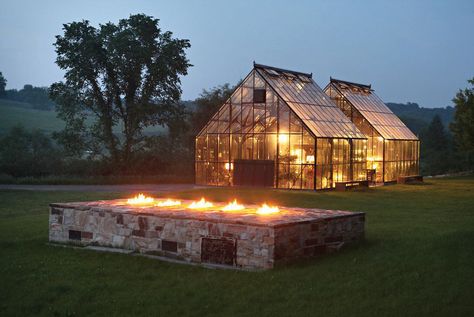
x,y
233,206
297,154
310,158
140,199
283,138
229,166
200,204
267,210
168,203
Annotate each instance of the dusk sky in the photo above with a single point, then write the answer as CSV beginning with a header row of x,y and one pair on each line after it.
x,y
418,51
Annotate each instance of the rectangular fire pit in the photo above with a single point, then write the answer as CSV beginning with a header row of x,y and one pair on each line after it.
x,y
241,239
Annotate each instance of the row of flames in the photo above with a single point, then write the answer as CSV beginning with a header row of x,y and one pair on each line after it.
x,y
142,200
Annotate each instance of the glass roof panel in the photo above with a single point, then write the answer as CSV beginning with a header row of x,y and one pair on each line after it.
x,y
375,111
311,104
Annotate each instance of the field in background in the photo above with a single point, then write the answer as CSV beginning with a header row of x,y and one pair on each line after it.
x,y
14,113
417,260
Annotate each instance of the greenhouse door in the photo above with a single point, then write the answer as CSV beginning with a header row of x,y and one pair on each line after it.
x,y
254,173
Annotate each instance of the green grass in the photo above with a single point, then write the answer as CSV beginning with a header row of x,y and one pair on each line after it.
x,y
417,260
96,180
13,113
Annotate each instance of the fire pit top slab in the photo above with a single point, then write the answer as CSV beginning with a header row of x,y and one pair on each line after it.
x,y
286,216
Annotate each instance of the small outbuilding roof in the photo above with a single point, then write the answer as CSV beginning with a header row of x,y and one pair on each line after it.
x,y
374,110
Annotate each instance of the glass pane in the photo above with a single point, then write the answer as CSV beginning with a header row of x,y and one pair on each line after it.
x,y
259,118
366,105
223,147
296,154
284,117
284,176
224,118
271,116
247,118
271,146
295,123
247,146
307,177
236,147
259,147
308,149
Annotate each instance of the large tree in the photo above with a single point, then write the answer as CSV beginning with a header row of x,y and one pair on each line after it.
x,y
463,123
3,84
125,76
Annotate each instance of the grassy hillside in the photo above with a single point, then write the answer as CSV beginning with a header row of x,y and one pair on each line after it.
x,y
416,261
14,113
18,113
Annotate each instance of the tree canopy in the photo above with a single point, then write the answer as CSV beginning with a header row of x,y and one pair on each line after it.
x,y
3,84
436,151
38,97
463,123
27,153
124,75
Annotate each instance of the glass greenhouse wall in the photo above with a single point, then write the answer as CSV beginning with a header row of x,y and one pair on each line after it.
x,y
279,129
393,150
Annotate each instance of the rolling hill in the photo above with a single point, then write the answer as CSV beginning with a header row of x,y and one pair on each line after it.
x,y
13,113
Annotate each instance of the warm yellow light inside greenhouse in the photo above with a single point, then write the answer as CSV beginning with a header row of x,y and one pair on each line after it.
x,y
283,138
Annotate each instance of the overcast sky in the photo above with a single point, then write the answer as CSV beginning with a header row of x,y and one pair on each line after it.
x,y
418,51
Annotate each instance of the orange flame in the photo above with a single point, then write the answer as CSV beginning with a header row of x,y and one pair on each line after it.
x,y
200,204
140,199
233,206
168,203
267,210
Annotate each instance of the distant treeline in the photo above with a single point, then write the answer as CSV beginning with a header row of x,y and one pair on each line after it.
x,y
37,97
418,118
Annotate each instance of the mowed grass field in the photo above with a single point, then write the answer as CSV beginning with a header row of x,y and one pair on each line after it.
x,y
17,113
14,113
417,260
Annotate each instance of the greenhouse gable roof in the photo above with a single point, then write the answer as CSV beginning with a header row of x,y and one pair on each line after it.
x,y
374,110
317,111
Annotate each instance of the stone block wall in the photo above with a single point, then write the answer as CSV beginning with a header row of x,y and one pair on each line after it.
x,y
317,237
220,241
252,246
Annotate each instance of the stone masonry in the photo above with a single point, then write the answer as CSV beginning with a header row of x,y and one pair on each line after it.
x,y
236,239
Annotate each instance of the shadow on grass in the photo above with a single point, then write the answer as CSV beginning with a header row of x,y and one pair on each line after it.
x,y
420,183
348,249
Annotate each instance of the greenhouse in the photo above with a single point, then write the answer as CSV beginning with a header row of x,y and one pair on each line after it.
x,y
279,129
393,150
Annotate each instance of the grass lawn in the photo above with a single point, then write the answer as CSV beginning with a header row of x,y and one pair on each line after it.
x,y
417,260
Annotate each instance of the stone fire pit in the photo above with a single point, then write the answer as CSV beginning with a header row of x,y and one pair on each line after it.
x,y
240,239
